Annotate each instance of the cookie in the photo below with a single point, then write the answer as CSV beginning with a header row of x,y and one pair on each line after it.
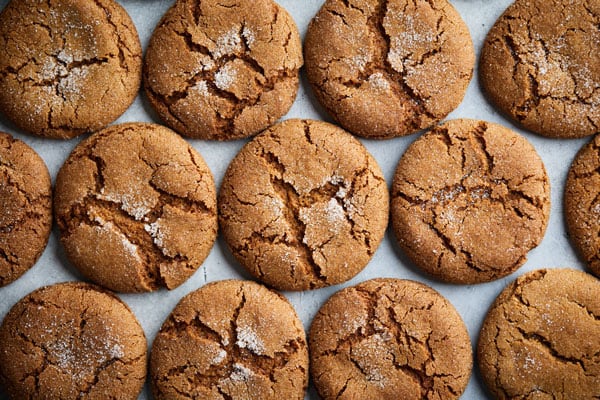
x,y
223,71
389,339
248,345
540,65
72,341
25,208
67,67
388,68
136,208
582,204
303,205
469,200
541,338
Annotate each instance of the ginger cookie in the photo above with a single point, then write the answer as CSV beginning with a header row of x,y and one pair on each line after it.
x,y
540,65
25,208
250,344
469,200
389,339
582,204
223,70
388,68
303,205
72,341
67,67
541,338
136,207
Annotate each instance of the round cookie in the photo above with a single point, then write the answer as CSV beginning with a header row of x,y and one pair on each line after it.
x,y
389,339
223,71
388,68
540,64
582,204
248,345
72,341
303,205
25,208
67,67
136,207
469,200
541,337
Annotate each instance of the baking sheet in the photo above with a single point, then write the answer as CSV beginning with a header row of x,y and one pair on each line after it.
x,y
471,301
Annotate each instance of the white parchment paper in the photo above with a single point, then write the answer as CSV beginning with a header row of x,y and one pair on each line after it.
x,y
472,301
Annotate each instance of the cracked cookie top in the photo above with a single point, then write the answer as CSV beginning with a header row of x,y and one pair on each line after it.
x,y
303,205
25,208
250,344
72,341
582,204
389,339
67,67
136,207
223,69
541,337
469,200
540,64
387,68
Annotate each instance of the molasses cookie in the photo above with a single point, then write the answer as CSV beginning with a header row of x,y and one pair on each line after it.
x,y
469,200
303,205
582,204
541,338
248,345
388,68
72,341
136,207
223,71
25,208
67,67
540,65
389,339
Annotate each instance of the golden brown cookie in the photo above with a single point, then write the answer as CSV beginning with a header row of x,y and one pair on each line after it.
x,y
249,344
389,339
72,341
388,68
540,65
136,207
469,200
223,70
67,67
303,205
582,204
25,208
541,338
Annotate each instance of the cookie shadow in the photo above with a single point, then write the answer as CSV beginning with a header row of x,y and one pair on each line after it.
x,y
403,259
63,260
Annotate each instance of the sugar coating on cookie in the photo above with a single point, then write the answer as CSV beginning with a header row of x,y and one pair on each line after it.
x,y
223,70
540,64
470,199
541,338
25,208
303,205
67,67
250,344
582,204
389,339
72,341
136,207
388,68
